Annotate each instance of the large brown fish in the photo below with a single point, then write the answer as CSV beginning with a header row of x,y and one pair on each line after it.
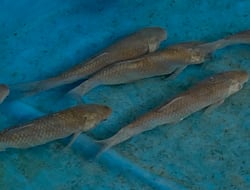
x,y
206,94
168,61
55,126
139,43
4,92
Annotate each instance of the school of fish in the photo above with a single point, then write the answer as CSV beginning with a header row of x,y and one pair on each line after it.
x,y
170,61
137,44
132,58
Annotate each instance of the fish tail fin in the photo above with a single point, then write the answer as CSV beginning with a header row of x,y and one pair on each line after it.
x,y
121,136
103,145
23,89
234,39
82,89
32,88
238,38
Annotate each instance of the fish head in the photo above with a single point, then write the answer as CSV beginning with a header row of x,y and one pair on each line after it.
x,y
153,37
96,114
4,92
237,79
103,112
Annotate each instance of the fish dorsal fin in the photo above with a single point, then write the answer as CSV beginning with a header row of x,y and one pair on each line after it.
x,y
170,103
17,128
94,58
99,56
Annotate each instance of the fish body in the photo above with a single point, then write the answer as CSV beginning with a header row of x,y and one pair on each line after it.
x,y
139,43
206,94
54,126
4,92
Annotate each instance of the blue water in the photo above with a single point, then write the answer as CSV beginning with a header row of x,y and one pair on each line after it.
x,y
42,38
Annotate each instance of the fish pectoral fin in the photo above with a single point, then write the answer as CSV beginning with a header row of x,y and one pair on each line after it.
x,y
177,121
74,96
132,60
98,56
210,108
75,135
176,73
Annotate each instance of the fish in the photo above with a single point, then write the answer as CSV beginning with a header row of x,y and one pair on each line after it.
x,y
71,121
209,94
137,44
170,61
4,92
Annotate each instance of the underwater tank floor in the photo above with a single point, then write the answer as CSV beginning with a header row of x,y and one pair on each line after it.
x,y
205,151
